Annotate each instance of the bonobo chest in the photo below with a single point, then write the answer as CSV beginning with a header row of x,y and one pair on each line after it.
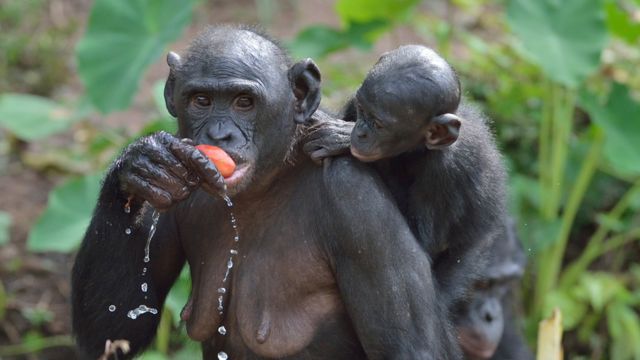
x,y
279,296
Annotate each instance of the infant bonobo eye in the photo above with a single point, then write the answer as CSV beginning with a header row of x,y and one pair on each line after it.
x,y
369,118
201,100
243,103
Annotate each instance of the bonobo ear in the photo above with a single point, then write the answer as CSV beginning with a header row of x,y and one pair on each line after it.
x,y
442,131
304,77
174,61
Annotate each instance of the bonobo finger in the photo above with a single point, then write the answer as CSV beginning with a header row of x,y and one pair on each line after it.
x,y
158,198
200,164
319,155
165,180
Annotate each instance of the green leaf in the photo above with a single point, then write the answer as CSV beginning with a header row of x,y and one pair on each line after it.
x,y
624,327
31,117
618,117
179,294
153,355
573,310
319,41
363,11
68,213
621,23
5,225
599,289
564,37
123,38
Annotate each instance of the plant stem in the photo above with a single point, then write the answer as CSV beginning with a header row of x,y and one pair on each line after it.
x,y
619,240
549,266
41,344
164,332
594,246
544,146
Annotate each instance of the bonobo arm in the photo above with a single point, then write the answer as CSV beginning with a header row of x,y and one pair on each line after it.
x,y
110,269
383,275
327,137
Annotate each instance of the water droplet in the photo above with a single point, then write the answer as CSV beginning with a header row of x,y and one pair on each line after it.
x,y
529,249
127,231
223,355
230,263
140,310
144,287
233,252
236,238
112,308
220,305
144,271
222,330
458,261
222,290
127,209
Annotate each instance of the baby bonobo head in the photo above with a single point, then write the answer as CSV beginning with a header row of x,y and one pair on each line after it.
x,y
406,102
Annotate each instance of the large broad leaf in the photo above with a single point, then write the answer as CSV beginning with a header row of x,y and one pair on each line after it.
x,y
564,37
619,116
624,327
68,213
123,38
319,41
5,224
362,11
622,24
32,117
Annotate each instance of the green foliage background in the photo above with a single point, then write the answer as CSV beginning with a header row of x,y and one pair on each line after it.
x,y
558,77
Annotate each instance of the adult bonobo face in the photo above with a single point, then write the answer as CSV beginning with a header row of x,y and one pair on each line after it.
x,y
235,89
405,103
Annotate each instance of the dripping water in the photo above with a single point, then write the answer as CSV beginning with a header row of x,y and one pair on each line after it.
x,y
222,291
141,310
152,231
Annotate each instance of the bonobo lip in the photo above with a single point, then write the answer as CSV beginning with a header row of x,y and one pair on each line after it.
x,y
362,157
475,345
238,175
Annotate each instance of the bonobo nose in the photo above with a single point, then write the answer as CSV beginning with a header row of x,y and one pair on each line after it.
x,y
361,134
220,133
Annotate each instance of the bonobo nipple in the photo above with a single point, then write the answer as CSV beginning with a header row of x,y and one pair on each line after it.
x,y
223,162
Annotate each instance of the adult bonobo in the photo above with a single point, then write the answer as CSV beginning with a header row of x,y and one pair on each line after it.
x,y
326,266
487,322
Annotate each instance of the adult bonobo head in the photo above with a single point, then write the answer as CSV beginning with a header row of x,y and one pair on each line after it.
x,y
487,319
238,90
406,101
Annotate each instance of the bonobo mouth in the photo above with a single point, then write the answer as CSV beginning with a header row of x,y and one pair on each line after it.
x,y
474,345
242,170
364,158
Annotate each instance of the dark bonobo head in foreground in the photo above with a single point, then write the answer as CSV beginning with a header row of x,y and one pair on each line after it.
x,y
487,321
406,101
237,89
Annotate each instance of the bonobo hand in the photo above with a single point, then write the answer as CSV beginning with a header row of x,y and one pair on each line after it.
x,y
163,170
327,137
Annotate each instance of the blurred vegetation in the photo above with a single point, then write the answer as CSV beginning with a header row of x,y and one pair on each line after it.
x,y
559,79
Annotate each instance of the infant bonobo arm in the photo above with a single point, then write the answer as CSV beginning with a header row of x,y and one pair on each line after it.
x,y
383,275
327,137
110,269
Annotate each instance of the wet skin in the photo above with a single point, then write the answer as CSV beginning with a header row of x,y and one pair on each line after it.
x,y
327,266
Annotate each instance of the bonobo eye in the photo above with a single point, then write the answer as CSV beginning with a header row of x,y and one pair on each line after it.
x,y
201,100
243,103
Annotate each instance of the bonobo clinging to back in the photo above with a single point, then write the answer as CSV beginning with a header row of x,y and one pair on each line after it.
x,y
325,266
439,161
487,322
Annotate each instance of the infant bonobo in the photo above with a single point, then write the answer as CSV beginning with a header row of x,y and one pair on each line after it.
x,y
440,162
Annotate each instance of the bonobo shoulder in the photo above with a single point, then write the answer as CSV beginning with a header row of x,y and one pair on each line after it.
x,y
346,178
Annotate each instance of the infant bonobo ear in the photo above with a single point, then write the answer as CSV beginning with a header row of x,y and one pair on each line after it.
x,y
304,77
442,131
